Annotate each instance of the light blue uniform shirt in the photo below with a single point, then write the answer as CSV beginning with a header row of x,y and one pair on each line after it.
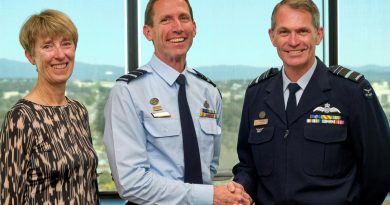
x,y
146,153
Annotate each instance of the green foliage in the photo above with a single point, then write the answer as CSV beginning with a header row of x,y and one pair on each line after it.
x,y
233,92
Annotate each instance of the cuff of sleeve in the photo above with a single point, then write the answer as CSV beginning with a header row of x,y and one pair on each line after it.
x,y
202,193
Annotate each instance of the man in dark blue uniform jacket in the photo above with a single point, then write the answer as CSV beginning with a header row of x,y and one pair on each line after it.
x,y
326,143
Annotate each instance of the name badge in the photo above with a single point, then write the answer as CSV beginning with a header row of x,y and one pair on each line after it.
x,y
260,122
161,114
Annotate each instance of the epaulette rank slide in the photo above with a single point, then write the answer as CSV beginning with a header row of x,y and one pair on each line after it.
x,y
131,75
267,74
346,73
203,77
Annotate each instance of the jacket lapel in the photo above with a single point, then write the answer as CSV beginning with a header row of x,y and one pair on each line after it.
x,y
274,99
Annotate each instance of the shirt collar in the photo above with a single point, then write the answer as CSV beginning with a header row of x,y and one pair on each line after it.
x,y
165,71
303,81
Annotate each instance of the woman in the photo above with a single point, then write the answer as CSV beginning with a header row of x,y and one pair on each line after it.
x,y
46,153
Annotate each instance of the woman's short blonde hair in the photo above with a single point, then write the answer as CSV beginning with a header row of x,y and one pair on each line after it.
x,y
48,23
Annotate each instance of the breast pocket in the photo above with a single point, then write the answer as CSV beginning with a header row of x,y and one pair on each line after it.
x,y
163,134
209,126
326,152
209,129
261,140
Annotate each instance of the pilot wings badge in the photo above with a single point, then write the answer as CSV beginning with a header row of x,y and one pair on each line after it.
x,y
327,109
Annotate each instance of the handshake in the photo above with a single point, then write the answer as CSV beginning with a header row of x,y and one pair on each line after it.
x,y
231,193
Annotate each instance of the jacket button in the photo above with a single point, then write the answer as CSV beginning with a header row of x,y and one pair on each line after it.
x,y
286,134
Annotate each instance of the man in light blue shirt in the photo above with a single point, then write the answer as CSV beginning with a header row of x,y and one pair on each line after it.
x,y
143,134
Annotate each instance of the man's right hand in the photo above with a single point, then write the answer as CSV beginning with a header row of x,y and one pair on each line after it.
x,y
223,196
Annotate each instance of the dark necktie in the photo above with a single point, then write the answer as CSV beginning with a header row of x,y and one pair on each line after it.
x,y
292,101
192,167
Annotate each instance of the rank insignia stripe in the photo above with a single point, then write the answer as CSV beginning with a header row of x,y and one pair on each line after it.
x,y
161,114
346,73
135,74
260,122
264,76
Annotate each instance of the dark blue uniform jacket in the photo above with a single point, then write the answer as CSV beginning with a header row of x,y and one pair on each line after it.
x,y
335,151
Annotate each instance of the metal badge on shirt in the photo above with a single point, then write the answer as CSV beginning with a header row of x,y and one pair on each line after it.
x,y
326,115
207,112
158,110
260,122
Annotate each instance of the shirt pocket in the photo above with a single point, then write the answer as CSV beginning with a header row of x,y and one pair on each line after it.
x,y
164,127
163,136
209,129
326,151
209,126
262,143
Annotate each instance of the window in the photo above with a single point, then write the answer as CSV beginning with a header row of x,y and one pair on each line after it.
x,y
363,43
